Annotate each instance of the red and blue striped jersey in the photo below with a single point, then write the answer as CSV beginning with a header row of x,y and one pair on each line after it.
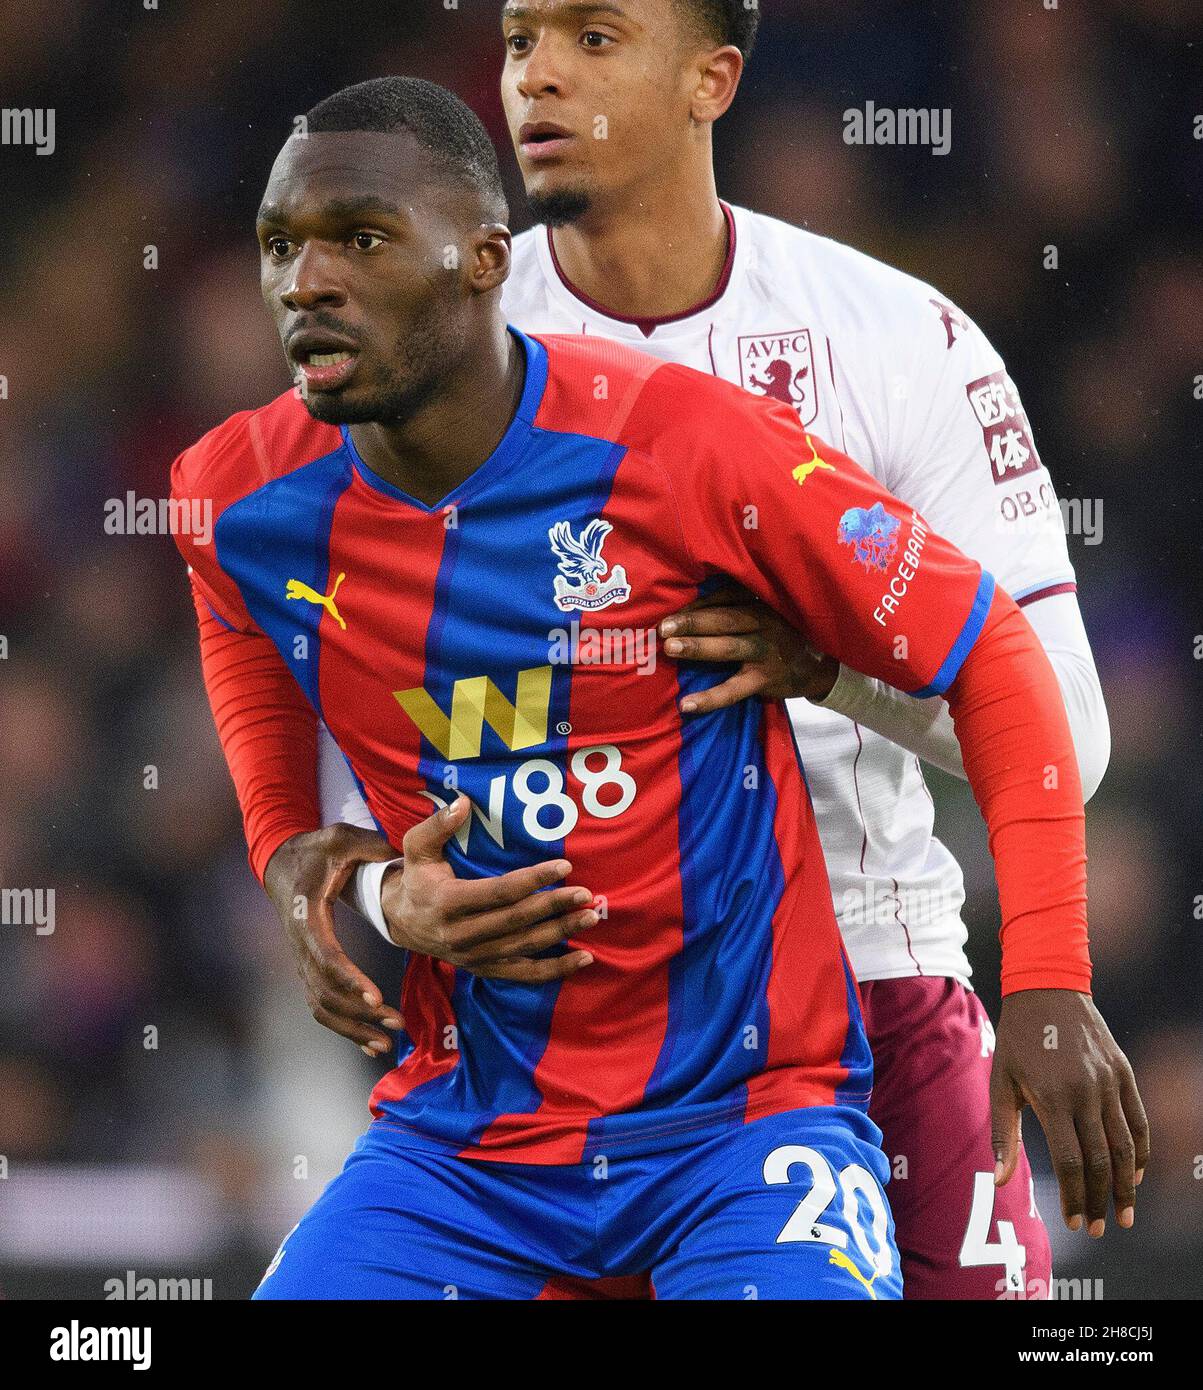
x,y
502,643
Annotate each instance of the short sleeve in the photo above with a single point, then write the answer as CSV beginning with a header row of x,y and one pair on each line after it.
x,y
860,572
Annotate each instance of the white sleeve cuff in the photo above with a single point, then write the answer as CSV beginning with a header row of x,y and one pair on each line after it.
x,y
846,696
922,727
367,890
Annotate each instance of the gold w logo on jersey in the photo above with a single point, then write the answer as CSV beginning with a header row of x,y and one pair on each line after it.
x,y
804,470
837,1257
475,702
296,590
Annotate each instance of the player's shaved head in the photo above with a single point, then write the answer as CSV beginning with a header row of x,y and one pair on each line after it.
x,y
444,126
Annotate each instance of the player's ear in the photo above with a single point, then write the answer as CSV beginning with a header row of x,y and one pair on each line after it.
x,y
718,73
491,257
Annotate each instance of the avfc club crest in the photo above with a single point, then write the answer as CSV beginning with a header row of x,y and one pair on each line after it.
x,y
582,582
781,366
872,533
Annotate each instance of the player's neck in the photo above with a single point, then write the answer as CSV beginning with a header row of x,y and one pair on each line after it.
x,y
654,253
446,441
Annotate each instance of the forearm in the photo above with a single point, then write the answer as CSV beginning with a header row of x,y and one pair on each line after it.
x,y
268,734
922,727
925,727
1010,719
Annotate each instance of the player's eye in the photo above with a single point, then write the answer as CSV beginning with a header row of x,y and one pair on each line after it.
x,y
278,247
367,241
594,38
517,44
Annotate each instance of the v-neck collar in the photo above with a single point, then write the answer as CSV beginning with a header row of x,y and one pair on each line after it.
x,y
505,454
634,329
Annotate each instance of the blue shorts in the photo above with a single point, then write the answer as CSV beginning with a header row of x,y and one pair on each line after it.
x,y
790,1206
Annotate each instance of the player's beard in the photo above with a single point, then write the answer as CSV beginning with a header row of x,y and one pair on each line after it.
x,y
560,207
415,376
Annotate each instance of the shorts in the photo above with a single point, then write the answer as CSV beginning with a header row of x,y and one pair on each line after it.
x,y
790,1206
960,1236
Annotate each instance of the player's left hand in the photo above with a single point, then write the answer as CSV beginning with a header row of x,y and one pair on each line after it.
x,y
1055,1053
733,625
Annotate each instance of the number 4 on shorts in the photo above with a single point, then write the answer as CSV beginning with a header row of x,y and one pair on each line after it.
x,y
978,1249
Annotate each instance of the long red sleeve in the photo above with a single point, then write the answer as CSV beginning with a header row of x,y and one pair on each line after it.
x,y
268,733
1010,719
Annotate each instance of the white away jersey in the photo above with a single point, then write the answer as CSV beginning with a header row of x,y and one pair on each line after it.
x,y
890,372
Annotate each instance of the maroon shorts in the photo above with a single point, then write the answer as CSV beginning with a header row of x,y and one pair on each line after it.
x,y
959,1236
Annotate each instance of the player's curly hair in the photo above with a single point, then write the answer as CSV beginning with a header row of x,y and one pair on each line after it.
x,y
437,119
727,21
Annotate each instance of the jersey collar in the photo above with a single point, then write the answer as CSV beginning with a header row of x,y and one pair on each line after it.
x,y
507,452
640,329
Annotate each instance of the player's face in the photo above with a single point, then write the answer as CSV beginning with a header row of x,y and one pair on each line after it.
x,y
597,96
354,237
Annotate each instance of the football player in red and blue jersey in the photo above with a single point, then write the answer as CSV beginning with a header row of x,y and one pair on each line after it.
x,y
457,541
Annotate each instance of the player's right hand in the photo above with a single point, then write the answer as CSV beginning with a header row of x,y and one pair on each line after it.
x,y
732,625
495,927
303,879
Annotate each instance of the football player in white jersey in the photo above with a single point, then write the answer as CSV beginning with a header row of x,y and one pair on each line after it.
x,y
611,107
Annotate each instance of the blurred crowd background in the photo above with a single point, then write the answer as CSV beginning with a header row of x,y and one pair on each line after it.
x,y
167,1104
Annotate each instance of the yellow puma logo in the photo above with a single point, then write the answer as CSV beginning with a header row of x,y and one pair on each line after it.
x,y
837,1257
296,589
804,470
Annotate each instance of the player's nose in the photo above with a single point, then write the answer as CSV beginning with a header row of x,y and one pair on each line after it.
x,y
313,282
541,73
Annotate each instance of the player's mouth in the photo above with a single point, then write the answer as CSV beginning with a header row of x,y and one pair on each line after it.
x,y
540,140
324,363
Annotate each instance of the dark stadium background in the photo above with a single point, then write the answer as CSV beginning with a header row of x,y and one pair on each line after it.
x,y
1071,127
